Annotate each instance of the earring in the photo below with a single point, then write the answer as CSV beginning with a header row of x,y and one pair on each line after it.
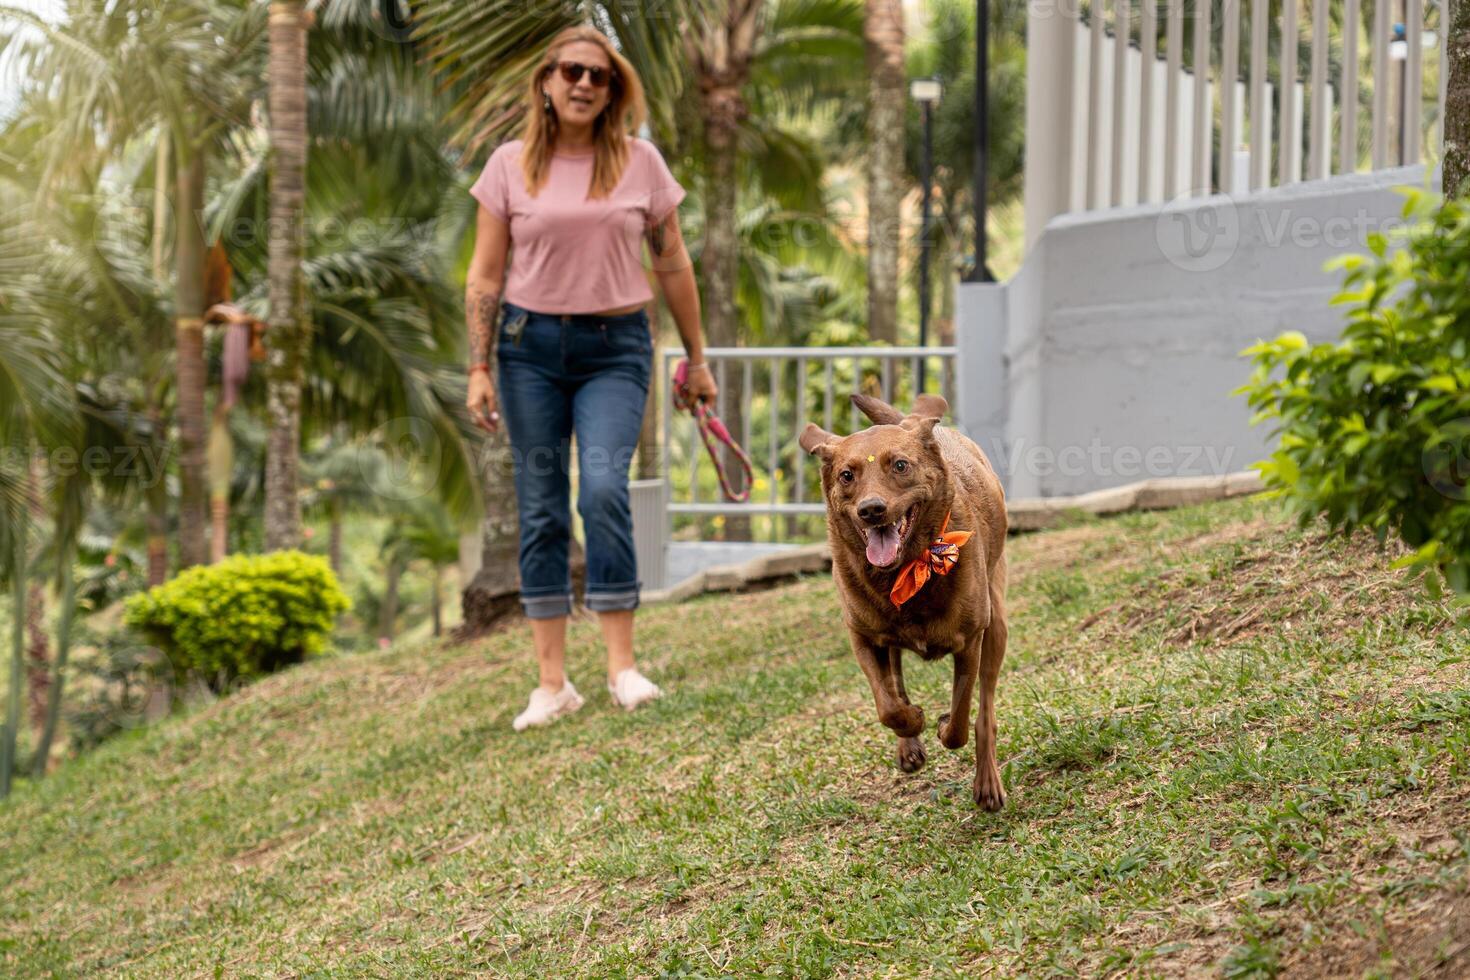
x,y
546,101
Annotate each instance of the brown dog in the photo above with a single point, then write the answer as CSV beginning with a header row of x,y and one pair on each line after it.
x,y
889,489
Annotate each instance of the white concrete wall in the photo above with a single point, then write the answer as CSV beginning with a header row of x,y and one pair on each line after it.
x,y
1111,356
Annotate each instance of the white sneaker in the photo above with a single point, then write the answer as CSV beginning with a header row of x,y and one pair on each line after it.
x,y
630,689
545,707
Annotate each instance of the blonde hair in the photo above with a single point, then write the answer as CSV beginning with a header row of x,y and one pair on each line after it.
x,y
611,131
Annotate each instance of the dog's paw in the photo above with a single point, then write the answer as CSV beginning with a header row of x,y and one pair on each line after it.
x,y
990,795
911,757
952,736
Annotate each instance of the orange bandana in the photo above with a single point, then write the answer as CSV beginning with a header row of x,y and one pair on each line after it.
x,y
943,555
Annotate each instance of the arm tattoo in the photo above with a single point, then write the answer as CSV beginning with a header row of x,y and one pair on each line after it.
x,y
481,309
656,240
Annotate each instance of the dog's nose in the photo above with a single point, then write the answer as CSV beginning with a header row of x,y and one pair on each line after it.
x,y
872,510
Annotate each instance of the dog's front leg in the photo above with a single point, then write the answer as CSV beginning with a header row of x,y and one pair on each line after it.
x,y
911,756
954,727
989,792
905,719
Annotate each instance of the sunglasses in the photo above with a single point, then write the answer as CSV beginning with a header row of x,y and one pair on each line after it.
x,y
572,72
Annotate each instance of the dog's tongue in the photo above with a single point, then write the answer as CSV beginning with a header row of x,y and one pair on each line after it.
x,y
882,544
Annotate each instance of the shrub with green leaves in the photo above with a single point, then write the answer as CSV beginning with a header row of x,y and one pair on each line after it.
x,y
241,617
1374,429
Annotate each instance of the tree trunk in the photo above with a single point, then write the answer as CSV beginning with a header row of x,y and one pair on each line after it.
x,y
17,652
648,447
721,48
155,495
288,334
38,657
724,108
494,591
388,615
946,273
160,205
1457,101
883,34
157,533
42,757
434,604
334,535
38,649
221,466
189,340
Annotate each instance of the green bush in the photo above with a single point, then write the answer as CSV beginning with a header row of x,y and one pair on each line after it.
x,y
241,617
1374,429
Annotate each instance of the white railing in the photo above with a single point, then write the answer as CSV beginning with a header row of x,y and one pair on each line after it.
x,y
1104,132
767,396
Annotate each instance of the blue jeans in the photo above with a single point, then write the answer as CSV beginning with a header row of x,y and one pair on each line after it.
x,y
559,374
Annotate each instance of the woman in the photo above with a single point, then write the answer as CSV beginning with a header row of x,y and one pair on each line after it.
x,y
576,195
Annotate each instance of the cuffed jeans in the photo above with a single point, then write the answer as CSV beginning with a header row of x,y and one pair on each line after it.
x,y
559,374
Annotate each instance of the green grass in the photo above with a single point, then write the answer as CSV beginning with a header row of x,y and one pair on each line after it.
x,y
1231,748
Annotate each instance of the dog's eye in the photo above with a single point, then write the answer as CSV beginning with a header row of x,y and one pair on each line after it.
x,y
901,466
845,476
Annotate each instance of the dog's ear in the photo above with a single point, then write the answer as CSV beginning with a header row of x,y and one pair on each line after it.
x,y
928,410
923,427
817,441
929,407
877,409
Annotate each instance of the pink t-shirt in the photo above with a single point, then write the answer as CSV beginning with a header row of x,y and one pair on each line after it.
x,y
571,253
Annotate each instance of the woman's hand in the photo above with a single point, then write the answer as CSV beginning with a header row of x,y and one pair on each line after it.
x,y
483,405
700,384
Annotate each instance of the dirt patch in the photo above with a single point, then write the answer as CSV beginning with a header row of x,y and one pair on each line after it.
x,y
1271,584
1428,935
1054,549
1097,548
1431,938
1243,531
1405,910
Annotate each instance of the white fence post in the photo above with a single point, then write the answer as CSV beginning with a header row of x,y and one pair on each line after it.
x,y
1050,44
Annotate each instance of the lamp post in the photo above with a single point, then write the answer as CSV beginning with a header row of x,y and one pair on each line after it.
x,y
981,270
926,92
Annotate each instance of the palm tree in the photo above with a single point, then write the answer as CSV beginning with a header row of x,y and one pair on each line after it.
x,y
84,284
381,361
189,344
290,329
883,31
140,68
1457,102
13,571
37,411
720,44
778,57
90,335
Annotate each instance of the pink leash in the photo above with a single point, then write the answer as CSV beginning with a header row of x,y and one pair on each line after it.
x,y
710,429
